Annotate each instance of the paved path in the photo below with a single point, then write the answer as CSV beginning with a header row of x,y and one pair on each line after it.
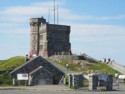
x,y
42,88
55,92
118,69
56,89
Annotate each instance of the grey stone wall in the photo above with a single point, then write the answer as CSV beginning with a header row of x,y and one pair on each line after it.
x,y
40,74
65,56
76,80
109,83
94,82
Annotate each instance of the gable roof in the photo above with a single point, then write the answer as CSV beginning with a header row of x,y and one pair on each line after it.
x,y
23,65
33,64
38,69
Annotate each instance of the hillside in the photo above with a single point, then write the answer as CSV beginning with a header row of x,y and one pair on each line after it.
x,y
83,64
96,67
12,63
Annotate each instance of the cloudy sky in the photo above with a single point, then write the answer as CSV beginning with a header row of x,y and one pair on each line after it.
x,y
97,26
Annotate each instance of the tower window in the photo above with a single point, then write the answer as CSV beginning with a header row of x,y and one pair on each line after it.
x,y
34,47
34,38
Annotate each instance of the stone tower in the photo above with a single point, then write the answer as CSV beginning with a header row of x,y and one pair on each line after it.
x,y
48,39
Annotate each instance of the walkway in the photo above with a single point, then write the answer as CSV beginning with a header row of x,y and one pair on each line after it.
x,y
55,89
41,87
118,68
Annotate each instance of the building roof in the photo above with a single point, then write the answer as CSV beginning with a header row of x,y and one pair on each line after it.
x,y
38,69
23,65
32,65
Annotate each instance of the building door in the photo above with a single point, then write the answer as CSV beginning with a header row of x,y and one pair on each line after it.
x,y
41,82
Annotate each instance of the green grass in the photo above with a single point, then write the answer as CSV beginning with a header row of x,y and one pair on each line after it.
x,y
100,67
94,66
85,84
12,63
72,66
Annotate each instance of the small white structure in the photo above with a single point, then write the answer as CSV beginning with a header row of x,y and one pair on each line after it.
x,y
121,77
22,76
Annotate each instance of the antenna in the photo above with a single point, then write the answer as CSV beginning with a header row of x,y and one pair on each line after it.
x,y
48,15
54,11
57,14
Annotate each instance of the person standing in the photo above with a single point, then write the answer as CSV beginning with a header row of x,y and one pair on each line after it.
x,y
116,76
67,66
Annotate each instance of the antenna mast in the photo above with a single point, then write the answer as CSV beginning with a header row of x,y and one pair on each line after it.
x,y
57,14
49,16
54,11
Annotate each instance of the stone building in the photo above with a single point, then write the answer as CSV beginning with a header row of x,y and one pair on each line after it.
x,y
48,39
37,71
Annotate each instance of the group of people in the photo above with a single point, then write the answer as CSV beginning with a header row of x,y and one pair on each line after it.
x,y
108,60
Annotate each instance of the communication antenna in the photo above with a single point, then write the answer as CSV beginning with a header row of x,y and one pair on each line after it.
x,y
54,11
49,16
57,14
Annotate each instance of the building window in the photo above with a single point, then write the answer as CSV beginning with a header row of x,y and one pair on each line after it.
x,y
34,47
34,38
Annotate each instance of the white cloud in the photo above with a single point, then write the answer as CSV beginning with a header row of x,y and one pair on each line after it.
x,y
32,9
97,33
118,17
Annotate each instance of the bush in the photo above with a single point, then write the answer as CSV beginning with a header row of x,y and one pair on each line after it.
x,y
5,79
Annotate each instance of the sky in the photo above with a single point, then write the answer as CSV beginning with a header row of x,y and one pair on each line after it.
x,y
97,26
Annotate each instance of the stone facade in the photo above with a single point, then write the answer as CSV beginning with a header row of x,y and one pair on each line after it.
x,y
66,57
48,39
76,80
40,75
100,80
35,63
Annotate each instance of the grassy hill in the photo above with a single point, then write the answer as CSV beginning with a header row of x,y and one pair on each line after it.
x,y
98,67
15,62
12,63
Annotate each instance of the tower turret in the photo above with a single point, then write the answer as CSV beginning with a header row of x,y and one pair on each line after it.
x,y
34,35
